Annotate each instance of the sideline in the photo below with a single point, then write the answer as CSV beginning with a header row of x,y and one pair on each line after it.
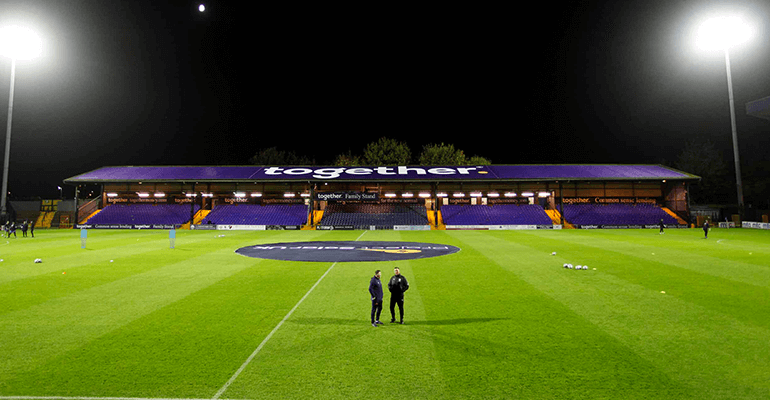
x,y
259,348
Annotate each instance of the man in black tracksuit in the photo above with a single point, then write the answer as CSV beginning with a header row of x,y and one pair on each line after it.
x,y
397,286
375,290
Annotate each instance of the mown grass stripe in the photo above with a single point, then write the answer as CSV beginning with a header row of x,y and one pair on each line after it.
x,y
713,353
328,348
40,332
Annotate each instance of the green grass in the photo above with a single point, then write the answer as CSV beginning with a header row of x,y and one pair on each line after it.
x,y
499,319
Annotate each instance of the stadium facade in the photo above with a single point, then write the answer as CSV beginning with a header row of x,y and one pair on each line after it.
x,y
344,191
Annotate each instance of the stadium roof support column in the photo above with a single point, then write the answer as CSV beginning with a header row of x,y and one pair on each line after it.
x,y
561,203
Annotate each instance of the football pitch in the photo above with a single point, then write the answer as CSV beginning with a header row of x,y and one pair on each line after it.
x,y
671,316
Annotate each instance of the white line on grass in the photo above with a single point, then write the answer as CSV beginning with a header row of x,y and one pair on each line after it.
x,y
254,354
87,398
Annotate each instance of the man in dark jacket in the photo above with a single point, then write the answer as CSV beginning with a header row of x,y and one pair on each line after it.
x,y
375,290
397,286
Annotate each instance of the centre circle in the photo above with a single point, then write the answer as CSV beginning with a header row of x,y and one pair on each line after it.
x,y
347,251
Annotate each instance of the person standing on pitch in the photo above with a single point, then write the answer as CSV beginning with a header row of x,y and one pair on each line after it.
x,y
397,286
375,290
661,226
706,229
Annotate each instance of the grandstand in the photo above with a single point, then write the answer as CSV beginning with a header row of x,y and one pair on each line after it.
x,y
142,214
503,214
380,216
400,197
250,214
606,215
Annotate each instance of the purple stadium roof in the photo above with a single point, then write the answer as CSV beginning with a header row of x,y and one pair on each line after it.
x,y
433,173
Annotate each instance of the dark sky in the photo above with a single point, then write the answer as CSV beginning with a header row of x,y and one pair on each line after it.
x,y
138,82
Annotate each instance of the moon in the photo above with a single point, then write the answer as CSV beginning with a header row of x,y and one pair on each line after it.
x,y
202,8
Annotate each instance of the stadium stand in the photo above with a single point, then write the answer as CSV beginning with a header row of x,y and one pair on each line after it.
x,y
143,214
249,214
502,214
616,214
383,216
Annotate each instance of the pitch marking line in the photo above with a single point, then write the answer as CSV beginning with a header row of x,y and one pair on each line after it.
x,y
88,398
259,348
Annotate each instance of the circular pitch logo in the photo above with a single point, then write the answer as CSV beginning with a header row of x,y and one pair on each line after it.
x,y
347,251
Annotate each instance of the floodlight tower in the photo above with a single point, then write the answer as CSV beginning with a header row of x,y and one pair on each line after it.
x,y
16,43
719,34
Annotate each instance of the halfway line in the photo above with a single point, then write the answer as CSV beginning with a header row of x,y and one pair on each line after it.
x,y
254,354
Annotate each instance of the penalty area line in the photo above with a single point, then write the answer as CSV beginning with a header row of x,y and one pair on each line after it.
x,y
270,335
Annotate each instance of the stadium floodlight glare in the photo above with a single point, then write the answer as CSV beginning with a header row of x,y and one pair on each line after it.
x,y
476,194
159,194
256,194
289,195
424,195
390,195
543,194
142,194
16,43
19,43
305,195
721,33
407,195
510,194
458,194
528,194
441,194
239,194
493,194
112,195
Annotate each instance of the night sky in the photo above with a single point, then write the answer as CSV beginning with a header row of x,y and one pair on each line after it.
x,y
159,83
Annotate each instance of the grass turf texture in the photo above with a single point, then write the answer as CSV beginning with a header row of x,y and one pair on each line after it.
x,y
499,319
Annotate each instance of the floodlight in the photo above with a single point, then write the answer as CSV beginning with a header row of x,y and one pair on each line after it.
x,y
19,43
722,32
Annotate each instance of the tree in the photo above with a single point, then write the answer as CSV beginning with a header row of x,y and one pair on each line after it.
x,y
478,160
347,160
442,154
387,151
703,159
273,156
